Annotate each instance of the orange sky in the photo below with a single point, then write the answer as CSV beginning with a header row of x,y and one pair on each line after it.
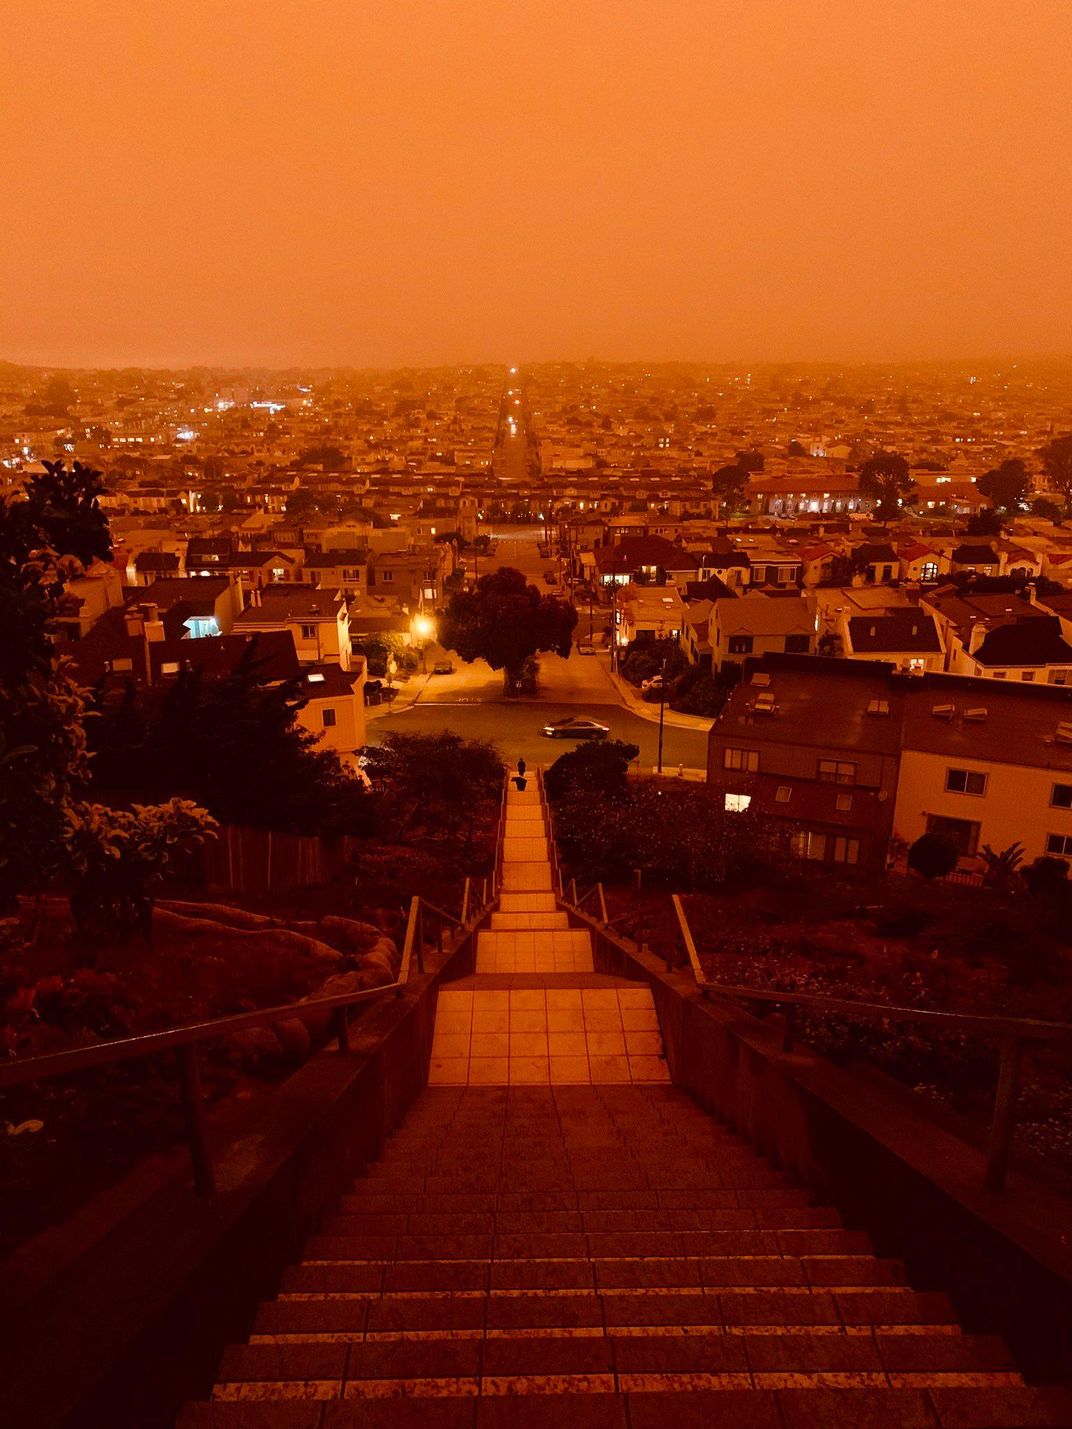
x,y
382,182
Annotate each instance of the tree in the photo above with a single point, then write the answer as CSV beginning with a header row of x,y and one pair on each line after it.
x,y
328,457
1046,510
1006,485
751,461
597,767
438,779
885,477
986,523
933,855
505,620
1047,877
999,868
1057,463
729,483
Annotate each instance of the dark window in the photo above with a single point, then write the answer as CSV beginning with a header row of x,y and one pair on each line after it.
x,y
746,759
963,832
797,644
1061,798
740,645
837,771
1059,844
965,781
328,718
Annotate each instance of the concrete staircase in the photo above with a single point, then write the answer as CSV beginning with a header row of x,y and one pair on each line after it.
x,y
602,1256
556,1237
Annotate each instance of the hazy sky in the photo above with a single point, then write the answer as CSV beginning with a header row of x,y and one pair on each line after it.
x,y
383,182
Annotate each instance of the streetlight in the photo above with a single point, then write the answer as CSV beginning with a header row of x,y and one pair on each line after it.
x,y
423,629
662,711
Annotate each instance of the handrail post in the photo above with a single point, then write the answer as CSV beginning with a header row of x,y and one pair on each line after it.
x,y
465,902
603,905
342,1029
1003,1125
419,935
439,935
196,1129
573,891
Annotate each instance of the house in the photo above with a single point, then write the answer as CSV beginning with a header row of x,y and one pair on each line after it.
x,y
999,635
877,561
814,744
335,707
757,624
829,493
192,608
318,621
723,559
921,562
980,558
987,764
907,639
338,570
86,598
854,754
648,613
650,560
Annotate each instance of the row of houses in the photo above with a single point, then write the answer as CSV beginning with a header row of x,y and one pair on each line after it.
x,y
860,759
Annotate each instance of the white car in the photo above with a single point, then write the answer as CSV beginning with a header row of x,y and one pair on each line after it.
x,y
576,727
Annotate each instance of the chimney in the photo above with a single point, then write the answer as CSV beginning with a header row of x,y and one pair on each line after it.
x,y
152,625
978,635
1032,593
134,622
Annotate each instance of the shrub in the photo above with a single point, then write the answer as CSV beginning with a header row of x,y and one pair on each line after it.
x,y
933,855
1047,877
600,767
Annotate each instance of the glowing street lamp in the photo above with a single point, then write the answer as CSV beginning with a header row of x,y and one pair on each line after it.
x,y
423,629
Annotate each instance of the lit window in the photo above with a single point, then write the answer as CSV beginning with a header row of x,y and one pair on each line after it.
x,y
737,803
965,781
782,794
846,850
123,663
328,717
811,846
169,667
743,759
844,803
837,771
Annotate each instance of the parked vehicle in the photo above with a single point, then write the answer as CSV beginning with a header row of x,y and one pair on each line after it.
x,y
550,578
576,727
443,667
586,649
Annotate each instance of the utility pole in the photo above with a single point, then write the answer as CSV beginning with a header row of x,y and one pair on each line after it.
x,y
662,711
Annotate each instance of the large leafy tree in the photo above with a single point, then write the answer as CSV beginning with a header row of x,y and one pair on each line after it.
x,y
46,537
48,828
1057,464
885,477
729,483
1006,485
505,621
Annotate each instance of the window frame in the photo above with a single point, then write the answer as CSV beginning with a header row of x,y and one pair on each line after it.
x,y
748,760
969,775
836,774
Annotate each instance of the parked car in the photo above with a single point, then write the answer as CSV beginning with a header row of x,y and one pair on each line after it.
x,y
443,667
550,578
655,683
576,727
586,649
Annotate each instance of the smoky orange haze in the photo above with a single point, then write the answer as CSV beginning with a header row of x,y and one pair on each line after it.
x,y
393,182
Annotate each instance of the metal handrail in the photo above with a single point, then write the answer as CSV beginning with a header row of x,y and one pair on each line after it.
x,y
187,1040
1011,1033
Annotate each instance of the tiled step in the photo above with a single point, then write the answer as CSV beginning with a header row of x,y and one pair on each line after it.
x,y
644,1407
504,922
608,1257
526,877
522,902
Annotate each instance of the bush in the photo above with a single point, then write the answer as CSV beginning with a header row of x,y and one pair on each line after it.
x,y
599,767
695,692
933,855
1047,877
644,659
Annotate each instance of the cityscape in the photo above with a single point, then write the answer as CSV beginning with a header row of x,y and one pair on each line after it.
x,y
535,887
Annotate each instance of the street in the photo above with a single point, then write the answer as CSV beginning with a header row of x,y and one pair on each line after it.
x,y
470,700
515,726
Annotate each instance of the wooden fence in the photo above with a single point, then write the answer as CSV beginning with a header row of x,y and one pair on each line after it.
x,y
248,860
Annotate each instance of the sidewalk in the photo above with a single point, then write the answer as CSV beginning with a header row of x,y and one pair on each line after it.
x,y
408,694
633,702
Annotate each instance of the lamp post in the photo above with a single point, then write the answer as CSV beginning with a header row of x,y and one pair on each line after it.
x,y
423,629
662,711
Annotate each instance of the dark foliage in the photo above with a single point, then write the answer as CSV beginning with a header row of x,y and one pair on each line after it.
x,y
505,621
596,768
933,855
